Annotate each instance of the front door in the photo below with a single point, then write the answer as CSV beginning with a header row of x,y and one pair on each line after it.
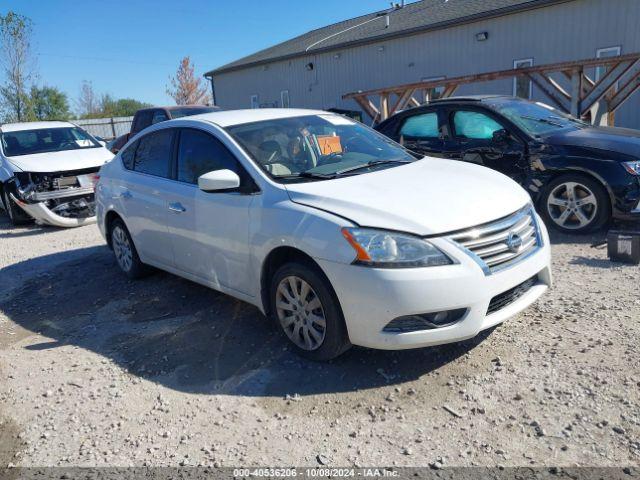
x,y
421,134
477,137
209,230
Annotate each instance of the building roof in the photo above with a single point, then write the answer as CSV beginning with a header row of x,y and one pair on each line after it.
x,y
412,18
16,127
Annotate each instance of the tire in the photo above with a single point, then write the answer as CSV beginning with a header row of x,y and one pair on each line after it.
x,y
14,212
585,210
300,316
125,251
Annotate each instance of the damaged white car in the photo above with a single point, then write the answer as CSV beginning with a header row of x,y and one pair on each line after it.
x,y
48,171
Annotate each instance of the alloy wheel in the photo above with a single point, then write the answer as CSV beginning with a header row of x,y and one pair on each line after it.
x,y
122,248
300,313
572,205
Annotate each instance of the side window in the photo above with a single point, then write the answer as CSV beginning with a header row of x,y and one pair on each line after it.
x,y
142,121
474,125
153,155
421,126
199,153
159,116
127,156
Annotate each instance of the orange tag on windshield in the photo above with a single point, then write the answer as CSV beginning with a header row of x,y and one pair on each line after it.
x,y
329,144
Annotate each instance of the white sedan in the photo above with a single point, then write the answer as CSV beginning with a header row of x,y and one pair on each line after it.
x,y
336,232
47,172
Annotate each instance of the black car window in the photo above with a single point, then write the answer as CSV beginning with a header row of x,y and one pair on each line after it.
x,y
159,116
199,153
474,125
142,121
127,156
153,155
420,126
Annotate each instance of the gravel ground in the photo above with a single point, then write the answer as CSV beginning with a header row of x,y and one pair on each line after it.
x,y
99,370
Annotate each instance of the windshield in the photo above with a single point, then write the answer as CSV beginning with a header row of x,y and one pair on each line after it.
x,y
535,118
317,147
188,111
27,142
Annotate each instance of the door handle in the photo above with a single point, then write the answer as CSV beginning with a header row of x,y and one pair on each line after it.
x,y
177,207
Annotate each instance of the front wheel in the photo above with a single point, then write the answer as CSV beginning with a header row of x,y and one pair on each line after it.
x,y
575,203
15,213
308,312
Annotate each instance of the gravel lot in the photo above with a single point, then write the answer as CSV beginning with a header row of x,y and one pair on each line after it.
x,y
98,370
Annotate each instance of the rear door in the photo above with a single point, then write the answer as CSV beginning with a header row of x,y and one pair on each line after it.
x,y
422,133
477,136
209,230
142,195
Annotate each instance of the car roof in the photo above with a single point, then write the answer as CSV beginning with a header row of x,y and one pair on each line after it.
x,y
470,98
21,126
226,118
180,107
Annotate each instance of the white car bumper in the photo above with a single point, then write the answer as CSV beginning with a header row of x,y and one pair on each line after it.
x,y
371,298
40,213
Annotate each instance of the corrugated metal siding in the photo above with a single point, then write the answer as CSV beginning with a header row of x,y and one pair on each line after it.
x,y
567,31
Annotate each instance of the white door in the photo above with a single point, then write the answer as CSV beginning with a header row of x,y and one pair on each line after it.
x,y
142,196
209,230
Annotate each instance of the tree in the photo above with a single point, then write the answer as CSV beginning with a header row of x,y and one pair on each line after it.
x,y
17,63
47,103
186,88
122,107
87,101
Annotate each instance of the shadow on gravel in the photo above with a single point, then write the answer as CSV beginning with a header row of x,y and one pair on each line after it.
x,y
188,337
7,230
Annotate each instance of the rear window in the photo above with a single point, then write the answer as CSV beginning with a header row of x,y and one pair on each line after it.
x,y
45,140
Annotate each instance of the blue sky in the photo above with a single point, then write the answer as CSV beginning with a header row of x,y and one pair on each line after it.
x,y
130,48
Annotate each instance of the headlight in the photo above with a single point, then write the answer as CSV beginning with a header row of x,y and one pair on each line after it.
x,y
380,248
632,167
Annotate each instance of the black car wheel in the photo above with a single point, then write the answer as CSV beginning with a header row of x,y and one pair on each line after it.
x,y
308,312
575,203
15,213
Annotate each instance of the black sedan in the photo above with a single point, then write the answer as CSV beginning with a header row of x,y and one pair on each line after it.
x,y
578,175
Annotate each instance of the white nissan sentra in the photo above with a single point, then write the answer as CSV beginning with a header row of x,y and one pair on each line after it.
x,y
330,228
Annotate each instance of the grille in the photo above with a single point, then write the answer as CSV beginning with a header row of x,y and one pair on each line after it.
x,y
507,298
500,244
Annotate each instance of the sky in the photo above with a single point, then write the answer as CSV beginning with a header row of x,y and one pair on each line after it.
x,y
130,48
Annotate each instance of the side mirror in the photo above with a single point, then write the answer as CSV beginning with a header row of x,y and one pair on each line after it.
x,y
501,136
218,180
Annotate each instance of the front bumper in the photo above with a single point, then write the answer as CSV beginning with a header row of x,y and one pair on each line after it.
x,y
40,213
370,298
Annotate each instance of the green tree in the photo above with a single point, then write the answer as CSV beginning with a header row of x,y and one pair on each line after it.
x,y
122,107
17,64
48,103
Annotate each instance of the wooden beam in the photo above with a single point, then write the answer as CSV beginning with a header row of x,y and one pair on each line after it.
x,y
624,93
402,101
576,92
413,102
449,90
608,81
384,106
368,106
497,75
550,91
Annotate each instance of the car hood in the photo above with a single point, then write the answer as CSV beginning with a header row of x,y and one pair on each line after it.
x,y
62,161
619,140
426,197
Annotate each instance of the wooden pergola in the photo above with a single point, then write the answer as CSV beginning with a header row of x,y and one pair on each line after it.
x,y
567,85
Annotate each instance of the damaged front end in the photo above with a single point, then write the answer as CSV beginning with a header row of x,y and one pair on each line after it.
x,y
63,199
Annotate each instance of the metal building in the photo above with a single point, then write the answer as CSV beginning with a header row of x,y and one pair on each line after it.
x,y
432,40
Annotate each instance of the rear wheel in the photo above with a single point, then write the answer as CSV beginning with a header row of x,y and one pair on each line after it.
x,y
308,312
125,251
575,203
14,212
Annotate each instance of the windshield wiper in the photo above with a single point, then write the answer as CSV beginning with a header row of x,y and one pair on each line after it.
x,y
542,120
320,176
372,163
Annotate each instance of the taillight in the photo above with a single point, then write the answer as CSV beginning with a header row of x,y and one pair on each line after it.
x,y
95,180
